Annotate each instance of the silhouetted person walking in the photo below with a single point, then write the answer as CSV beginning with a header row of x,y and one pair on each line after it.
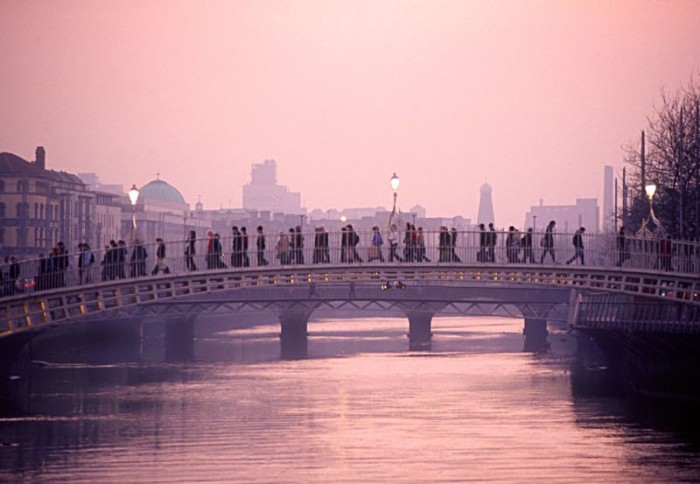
x,y
260,246
577,242
161,265
190,251
548,242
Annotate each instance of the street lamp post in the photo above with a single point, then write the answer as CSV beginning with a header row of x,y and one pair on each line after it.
x,y
651,190
644,230
394,186
133,197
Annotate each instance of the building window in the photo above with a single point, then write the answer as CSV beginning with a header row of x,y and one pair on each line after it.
x,y
42,187
21,186
2,186
22,210
2,210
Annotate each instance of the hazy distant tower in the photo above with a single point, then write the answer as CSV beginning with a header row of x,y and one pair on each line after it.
x,y
608,200
485,206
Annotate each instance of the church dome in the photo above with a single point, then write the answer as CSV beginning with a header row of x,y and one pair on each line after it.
x,y
161,190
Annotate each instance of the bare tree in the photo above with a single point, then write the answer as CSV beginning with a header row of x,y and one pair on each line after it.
x,y
672,161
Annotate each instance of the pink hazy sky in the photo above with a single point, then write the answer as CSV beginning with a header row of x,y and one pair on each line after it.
x,y
533,96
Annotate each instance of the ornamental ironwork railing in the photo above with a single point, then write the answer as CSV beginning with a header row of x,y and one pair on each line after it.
x,y
58,269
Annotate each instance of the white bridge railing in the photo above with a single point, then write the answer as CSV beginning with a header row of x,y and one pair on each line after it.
x,y
59,270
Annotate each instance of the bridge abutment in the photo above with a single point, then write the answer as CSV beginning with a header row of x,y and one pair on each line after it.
x,y
294,335
419,330
535,335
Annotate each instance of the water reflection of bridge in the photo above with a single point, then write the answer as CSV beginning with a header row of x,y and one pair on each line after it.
x,y
536,293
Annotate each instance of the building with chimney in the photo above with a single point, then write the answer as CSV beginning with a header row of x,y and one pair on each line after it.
x,y
40,207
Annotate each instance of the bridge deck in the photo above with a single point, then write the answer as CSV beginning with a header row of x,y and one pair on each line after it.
x,y
33,310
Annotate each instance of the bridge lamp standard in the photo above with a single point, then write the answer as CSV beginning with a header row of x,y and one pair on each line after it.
x,y
133,197
650,189
394,186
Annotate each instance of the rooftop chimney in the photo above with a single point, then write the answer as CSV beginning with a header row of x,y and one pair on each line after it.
x,y
40,157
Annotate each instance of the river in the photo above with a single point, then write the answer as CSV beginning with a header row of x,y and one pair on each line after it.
x,y
360,408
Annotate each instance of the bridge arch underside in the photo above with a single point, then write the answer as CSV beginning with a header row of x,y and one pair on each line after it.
x,y
517,302
295,305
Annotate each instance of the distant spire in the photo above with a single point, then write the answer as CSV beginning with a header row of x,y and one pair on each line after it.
x,y
158,176
485,206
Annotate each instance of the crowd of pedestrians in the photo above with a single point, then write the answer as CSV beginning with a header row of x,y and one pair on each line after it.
x,y
119,261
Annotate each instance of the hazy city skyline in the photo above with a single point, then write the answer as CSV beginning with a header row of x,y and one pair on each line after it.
x,y
535,97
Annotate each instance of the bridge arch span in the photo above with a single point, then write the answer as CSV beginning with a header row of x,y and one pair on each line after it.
x,y
535,290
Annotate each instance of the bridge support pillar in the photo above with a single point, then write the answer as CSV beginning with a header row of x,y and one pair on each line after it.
x,y
419,330
535,334
179,338
294,334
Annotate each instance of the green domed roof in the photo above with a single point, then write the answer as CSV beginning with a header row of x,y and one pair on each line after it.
x,y
161,190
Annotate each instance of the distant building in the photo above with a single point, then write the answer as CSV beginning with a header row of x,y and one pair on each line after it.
x,y
357,213
161,211
485,206
108,209
93,182
264,194
568,217
40,207
419,210
108,218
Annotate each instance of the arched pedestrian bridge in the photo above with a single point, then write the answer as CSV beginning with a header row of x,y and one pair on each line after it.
x,y
536,293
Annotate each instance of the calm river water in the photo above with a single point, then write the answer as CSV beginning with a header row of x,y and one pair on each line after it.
x,y
360,408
